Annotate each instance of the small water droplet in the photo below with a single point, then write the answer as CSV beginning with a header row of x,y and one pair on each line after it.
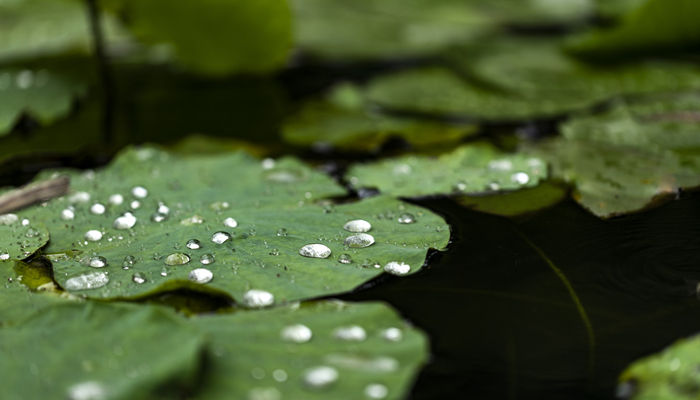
x,y
354,333
125,221
459,187
177,259
195,219
4,256
116,199
92,280
219,206
31,232
297,333
89,390
520,178
493,186
359,240
163,272
230,222
279,375
67,214
256,298
25,222
25,79
397,268
138,278
376,391
391,334
282,232
93,235
162,209
357,225
158,217
206,259
200,275
274,252
406,218
135,205
320,377
97,262
128,262
220,237
315,250
193,244
345,259
139,192
98,209
268,163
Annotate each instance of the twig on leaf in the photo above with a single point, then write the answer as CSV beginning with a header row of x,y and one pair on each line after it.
x,y
33,193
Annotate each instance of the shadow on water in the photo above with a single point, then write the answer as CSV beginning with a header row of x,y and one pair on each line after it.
x,y
503,324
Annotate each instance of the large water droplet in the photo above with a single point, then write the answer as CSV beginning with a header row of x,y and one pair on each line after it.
x,y
220,237
7,219
193,244
391,334
67,214
4,256
92,280
98,209
376,391
359,240
206,259
177,259
93,235
79,197
357,225
354,333
139,192
138,278
230,222
200,275
256,298
345,259
397,268
315,250
97,262
406,218
125,221
89,390
320,377
297,333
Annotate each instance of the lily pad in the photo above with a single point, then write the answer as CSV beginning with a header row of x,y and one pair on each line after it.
x,y
44,94
321,350
246,222
223,36
516,203
92,350
669,374
345,121
469,169
20,239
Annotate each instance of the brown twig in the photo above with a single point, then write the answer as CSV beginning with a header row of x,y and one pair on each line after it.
x,y
33,193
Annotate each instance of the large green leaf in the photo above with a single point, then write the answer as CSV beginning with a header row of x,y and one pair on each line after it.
x,y
42,93
255,356
469,169
215,36
20,238
344,120
654,26
276,211
668,375
99,351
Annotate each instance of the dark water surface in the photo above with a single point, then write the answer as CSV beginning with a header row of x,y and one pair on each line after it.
x,y
503,324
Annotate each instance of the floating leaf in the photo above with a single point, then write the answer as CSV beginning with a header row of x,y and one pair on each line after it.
x,y
93,350
669,374
344,121
44,94
20,239
516,203
469,169
153,222
223,36
301,354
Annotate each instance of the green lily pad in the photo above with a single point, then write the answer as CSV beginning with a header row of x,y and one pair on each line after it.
x,y
469,169
44,94
516,203
344,121
20,239
223,36
669,374
269,354
654,26
90,351
269,209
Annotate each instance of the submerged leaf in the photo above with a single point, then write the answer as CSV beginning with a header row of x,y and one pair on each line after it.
x,y
469,169
152,222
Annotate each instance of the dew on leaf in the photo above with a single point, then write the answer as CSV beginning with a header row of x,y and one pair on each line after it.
x,y
93,235
230,222
206,259
163,209
158,217
79,197
357,225
220,206
391,334
177,259
98,209
279,375
359,240
282,232
125,221
353,333
195,219
92,280
345,259
135,205
4,256
274,252
89,390
320,377
406,218
97,262
315,250
297,333
25,222
397,268
138,278
220,237
67,214
8,219
116,199
256,298
200,275
193,244
139,192
520,178
376,391
128,262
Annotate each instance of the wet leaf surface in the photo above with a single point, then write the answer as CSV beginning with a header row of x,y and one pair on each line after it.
x,y
20,239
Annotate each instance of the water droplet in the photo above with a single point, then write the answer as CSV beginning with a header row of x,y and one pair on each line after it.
x,y
200,275
163,272
279,375
125,221
520,178
93,235
406,218
7,219
297,333
92,280
25,79
274,252
135,205
116,199
391,334
139,192
460,186
345,259
89,390
357,225
268,163
163,209
220,237
353,333
31,232
67,214
4,256
97,262
158,217
206,259
138,278
128,262
177,259
397,268
220,206
359,240
376,391
266,393
501,165
25,222
315,250
195,219
98,209
79,197
193,244
230,222
493,186
320,377
255,298
282,232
